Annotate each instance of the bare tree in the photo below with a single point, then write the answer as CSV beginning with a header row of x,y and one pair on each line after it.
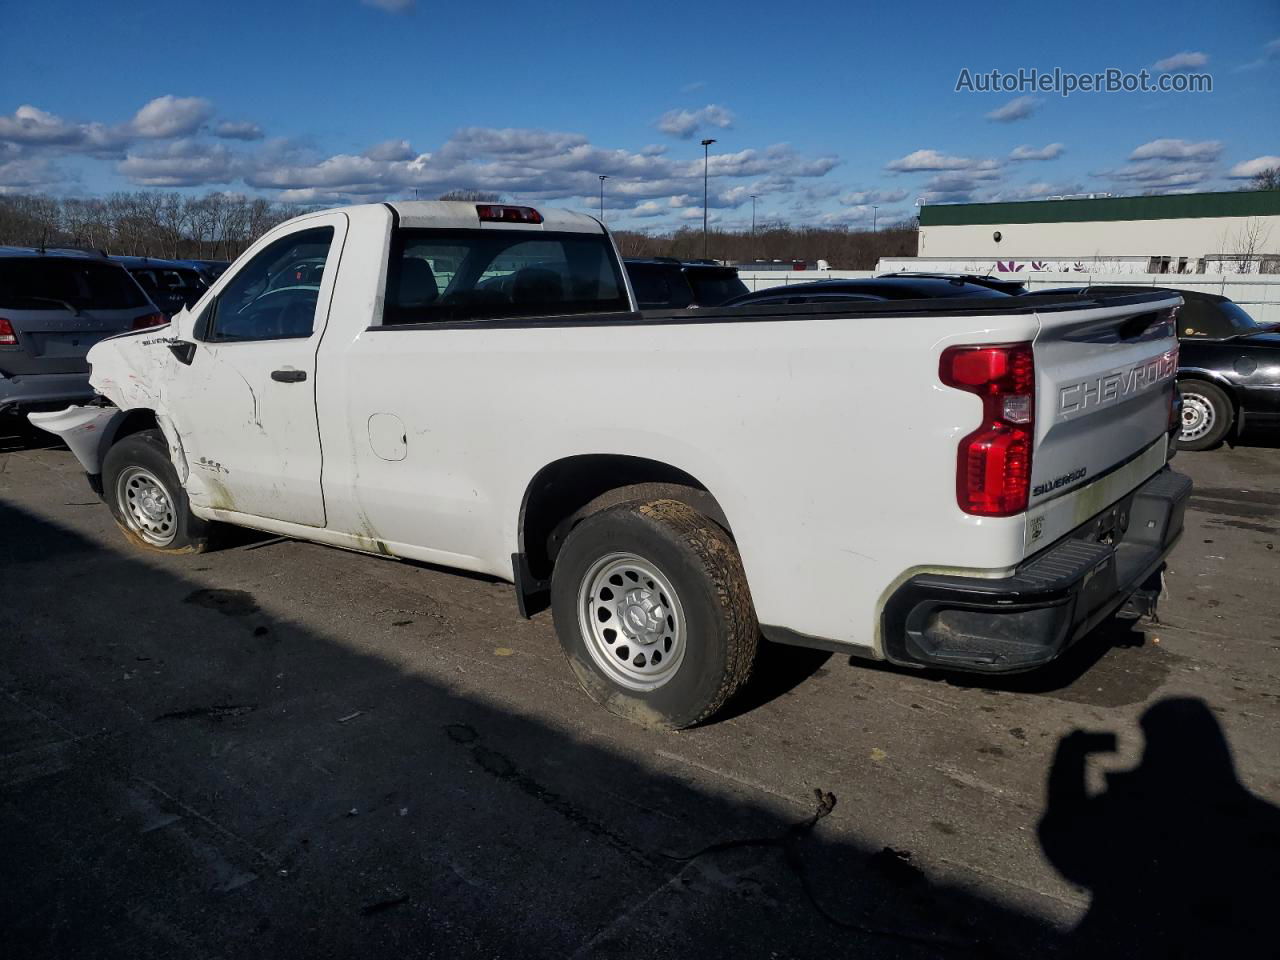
x,y
1268,179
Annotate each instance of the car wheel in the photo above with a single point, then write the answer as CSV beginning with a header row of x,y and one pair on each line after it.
x,y
653,612
146,498
1207,415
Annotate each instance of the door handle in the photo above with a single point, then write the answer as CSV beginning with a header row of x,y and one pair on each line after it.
x,y
289,376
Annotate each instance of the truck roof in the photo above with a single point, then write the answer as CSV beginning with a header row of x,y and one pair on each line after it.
x,y
462,215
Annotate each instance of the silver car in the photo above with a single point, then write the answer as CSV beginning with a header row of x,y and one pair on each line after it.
x,y
55,305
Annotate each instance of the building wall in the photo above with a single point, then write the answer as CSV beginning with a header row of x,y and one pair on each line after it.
x,y
1192,238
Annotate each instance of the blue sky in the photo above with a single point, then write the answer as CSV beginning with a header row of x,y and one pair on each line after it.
x,y
823,113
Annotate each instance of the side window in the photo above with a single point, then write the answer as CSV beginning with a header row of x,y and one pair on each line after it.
x,y
274,296
486,274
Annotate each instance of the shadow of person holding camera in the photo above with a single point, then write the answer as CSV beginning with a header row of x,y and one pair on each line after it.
x,y
1182,860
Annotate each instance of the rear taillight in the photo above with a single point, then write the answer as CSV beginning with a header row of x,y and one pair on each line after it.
x,y
150,320
7,337
993,471
502,213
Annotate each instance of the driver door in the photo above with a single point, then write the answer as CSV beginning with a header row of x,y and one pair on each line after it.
x,y
245,406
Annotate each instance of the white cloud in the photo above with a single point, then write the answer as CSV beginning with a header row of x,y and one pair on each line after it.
x,y
1027,152
1170,149
390,6
182,163
1032,191
1019,108
35,127
685,123
23,170
390,150
928,160
228,130
1160,174
862,198
1248,169
650,208
1186,60
171,116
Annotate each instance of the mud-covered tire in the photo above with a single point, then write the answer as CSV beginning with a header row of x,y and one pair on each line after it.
x,y
132,472
699,561
1207,415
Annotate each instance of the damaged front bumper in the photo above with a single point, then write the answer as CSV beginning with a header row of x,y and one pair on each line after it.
x,y
1109,565
83,429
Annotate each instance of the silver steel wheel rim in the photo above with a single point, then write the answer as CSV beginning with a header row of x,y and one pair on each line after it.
x,y
632,621
1198,416
147,506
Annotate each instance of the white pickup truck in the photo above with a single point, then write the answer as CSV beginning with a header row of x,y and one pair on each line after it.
x,y
969,484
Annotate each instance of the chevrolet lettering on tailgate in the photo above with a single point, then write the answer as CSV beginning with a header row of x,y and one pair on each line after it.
x,y
1110,388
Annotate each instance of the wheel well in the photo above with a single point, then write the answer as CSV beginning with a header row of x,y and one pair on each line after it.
x,y
133,421
564,493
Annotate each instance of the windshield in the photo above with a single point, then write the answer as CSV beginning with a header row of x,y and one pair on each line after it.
x,y
52,284
1241,320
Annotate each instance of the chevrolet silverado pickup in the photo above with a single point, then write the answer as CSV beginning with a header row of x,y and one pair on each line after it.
x,y
966,484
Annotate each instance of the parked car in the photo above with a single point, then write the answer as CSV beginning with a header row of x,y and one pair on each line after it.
x,y
1003,284
1228,367
675,484
868,289
170,285
55,305
1228,371
662,283
210,270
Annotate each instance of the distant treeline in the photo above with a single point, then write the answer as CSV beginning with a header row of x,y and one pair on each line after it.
x,y
217,226
842,249
220,226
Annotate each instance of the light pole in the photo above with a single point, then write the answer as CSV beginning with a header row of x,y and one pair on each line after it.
x,y
706,155
754,198
603,178
875,212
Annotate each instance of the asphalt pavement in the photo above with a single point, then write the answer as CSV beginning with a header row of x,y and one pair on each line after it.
x,y
285,750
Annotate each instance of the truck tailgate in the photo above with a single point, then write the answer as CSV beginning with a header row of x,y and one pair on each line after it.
x,y
1105,380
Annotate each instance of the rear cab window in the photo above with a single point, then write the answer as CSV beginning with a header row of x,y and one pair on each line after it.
x,y
54,284
463,275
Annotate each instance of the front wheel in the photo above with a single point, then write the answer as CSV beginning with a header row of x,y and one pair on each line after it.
x,y
142,489
653,612
1207,415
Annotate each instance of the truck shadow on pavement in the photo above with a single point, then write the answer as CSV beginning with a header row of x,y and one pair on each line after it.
x,y
187,778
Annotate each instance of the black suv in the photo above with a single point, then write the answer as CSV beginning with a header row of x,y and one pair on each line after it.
x,y
664,283
170,285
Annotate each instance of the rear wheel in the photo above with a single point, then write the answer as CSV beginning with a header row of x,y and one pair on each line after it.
x,y
653,612
146,498
1207,415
